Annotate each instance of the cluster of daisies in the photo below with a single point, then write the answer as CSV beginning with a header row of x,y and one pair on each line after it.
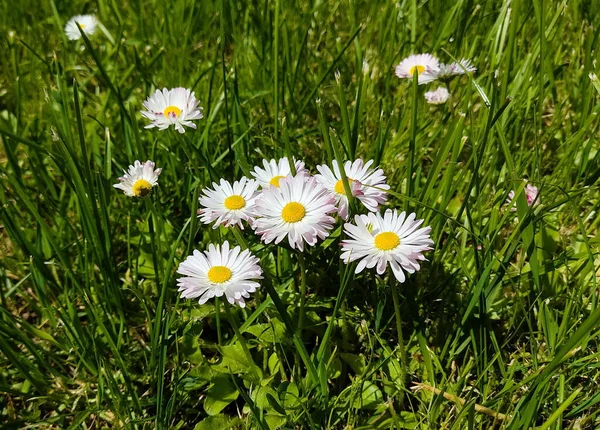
x,y
428,69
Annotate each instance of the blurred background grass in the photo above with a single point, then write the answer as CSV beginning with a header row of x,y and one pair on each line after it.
x,y
504,315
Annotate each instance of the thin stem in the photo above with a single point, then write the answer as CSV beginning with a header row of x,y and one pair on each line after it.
x,y
403,362
218,320
413,136
302,264
238,335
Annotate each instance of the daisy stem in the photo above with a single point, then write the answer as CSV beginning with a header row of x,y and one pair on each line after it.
x,y
236,330
302,264
403,362
413,137
218,320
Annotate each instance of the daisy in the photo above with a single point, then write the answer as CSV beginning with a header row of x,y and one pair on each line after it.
x,y
437,97
139,180
298,208
229,204
531,193
275,170
392,238
217,272
461,67
88,24
366,184
176,107
426,65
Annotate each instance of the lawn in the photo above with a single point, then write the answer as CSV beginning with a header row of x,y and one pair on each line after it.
x,y
309,297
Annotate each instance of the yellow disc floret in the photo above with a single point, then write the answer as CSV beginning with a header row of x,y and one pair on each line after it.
x,y
172,110
419,69
275,180
339,186
219,274
234,202
387,240
141,188
293,212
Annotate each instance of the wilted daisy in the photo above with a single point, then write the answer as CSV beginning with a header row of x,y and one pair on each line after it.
x,y
447,71
426,65
88,24
229,204
274,170
217,272
299,209
366,184
531,192
437,97
139,179
392,238
177,107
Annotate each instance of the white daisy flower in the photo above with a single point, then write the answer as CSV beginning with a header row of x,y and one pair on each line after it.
x,y
299,209
139,180
177,107
229,204
88,24
392,238
437,97
531,193
425,64
461,67
366,184
217,272
275,170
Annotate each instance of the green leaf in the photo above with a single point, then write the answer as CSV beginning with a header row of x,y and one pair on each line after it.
x,y
355,361
370,397
220,394
214,422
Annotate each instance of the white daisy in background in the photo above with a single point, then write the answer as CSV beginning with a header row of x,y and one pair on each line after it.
x,y
139,180
274,170
88,24
217,272
447,71
229,204
366,184
437,97
426,65
531,194
392,238
177,107
298,208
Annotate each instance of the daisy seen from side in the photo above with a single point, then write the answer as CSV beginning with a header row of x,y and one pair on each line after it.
x,y
229,204
438,96
366,183
139,179
426,65
531,195
299,209
88,24
274,170
393,239
219,271
177,107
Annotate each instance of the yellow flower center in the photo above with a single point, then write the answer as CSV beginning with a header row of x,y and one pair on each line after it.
x,y
275,180
387,240
293,212
172,110
419,69
234,202
219,274
339,186
81,25
141,188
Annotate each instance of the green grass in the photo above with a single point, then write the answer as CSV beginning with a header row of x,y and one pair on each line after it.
x,y
504,315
